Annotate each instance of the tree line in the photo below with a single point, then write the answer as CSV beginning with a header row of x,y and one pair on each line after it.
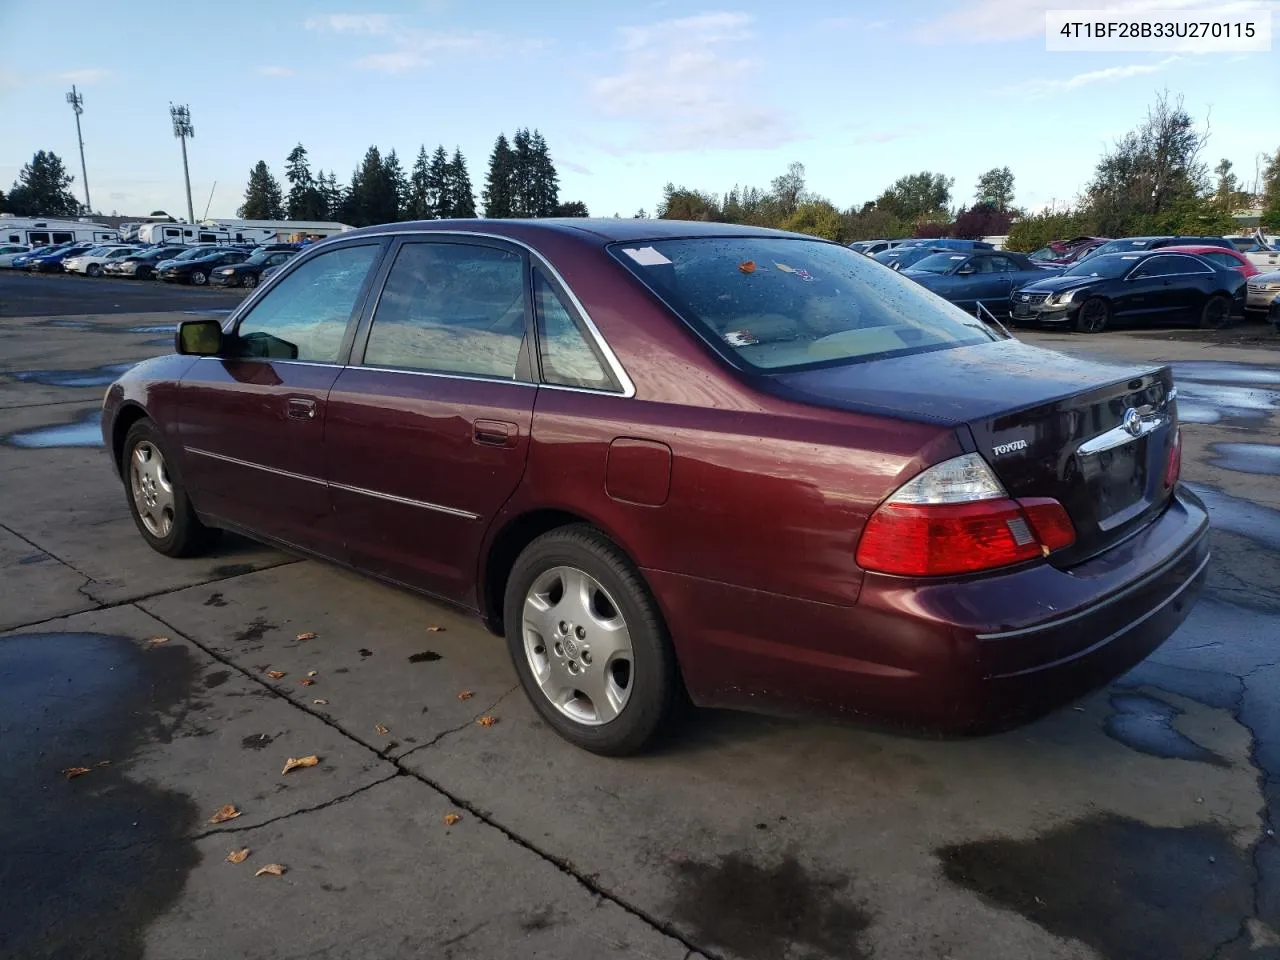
x,y
1152,181
521,182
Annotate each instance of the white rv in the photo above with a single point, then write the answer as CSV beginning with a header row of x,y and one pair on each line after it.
x,y
282,231
41,231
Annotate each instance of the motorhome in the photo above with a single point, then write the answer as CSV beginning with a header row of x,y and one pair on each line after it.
x,y
284,231
201,233
41,231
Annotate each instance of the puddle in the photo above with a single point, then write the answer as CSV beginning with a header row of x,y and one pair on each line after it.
x,y
1129,890
765,912
84,432
1145,724
426,656
66,324
104,848
1258,523
1246,457
1216,371
152,328
93,377
1209,391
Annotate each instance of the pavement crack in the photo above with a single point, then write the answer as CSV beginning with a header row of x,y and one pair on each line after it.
x,y
589,882
302,811
458,729
49,553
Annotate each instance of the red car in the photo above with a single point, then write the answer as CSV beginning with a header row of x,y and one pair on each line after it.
x,y
1232,259
1065,252
670,460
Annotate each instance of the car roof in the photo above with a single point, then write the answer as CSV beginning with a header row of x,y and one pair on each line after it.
x,y
1200,248
605,230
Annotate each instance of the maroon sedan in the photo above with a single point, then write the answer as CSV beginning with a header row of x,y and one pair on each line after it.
x,y
671,460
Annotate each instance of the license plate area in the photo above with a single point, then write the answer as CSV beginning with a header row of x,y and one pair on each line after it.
x,y
1117,483
1021,309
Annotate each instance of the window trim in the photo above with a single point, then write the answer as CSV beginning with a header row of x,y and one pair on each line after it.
x,y
615,388
1158,276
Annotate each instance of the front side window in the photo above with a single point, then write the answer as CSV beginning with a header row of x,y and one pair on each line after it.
x,y
568,357
305,315
1002,265
940,263
451,308
780,303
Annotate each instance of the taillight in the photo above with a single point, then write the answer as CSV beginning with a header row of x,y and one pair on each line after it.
x,y
955,518
1173,465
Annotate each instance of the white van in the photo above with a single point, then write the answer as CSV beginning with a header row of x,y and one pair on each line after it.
x,y
43,232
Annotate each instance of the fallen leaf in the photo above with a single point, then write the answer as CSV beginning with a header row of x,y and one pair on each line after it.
x,y
275,674
487,721
321,702
238,856
271,870
156,641
229,812
72,772
465,695
293,763
312,673
382,729
307,636
450,819
435,628
306,682
747,266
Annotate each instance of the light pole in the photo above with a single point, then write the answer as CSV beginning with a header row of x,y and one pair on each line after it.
x,y
182,129
77,105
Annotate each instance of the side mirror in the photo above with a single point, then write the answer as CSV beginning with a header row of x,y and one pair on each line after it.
x,y
199,338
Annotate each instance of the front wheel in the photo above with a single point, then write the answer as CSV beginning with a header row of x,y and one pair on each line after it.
x,y
1216,313
94,270
199,278
249,281
1094,315
157,500
588,643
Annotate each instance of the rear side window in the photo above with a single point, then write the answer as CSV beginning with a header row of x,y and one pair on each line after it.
x,y
1222,259
569,359
451,308
1169,266
305,315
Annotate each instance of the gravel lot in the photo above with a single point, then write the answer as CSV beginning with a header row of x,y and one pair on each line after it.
x,y
1138,824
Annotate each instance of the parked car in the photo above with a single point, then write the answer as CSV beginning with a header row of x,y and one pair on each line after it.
x,y
948,243
900,258
986,277
1231,259
1149,286
19,261
1273,315
248,273
141,266
197,269
734,463
1260,291
91,262
269,272
1264,256
872,247
51,262
1132,244
1063,252
9,251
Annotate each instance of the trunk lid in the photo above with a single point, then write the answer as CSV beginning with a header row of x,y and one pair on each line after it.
x,y
1049,425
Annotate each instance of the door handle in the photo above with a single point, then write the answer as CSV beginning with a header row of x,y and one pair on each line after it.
x,y
302,408
497,433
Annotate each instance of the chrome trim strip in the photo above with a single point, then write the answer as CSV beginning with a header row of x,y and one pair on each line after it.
x,y
445,376
1089,611
406,501
253,466
1107,639
619,372
1119,436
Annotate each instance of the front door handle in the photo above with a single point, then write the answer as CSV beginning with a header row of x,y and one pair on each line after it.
x,y
302,408
497,433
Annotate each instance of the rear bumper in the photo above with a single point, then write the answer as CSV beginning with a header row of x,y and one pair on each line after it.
x,y
959,657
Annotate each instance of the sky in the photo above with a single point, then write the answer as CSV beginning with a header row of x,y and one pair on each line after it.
x,y
629,96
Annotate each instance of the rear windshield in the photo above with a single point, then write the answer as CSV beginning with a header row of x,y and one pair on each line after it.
x,y
779,303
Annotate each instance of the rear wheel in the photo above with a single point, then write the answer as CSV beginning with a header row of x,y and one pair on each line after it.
x,y
94,270
199,278
249,281
1094,315
588,642
1216,313
157,500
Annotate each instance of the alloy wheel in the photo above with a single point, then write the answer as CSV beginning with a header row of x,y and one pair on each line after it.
x,y
1093,316
152,489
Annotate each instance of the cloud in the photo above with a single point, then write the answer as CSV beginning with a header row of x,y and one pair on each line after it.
x,y
86,75
274,71
1033,89
356,24
848,23
574,167
685,89
415,48
993,21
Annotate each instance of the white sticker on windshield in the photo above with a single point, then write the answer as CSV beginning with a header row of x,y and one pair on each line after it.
x,y
1128,257
958,257
646,257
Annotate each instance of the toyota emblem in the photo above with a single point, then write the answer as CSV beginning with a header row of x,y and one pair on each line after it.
x,y
1132,422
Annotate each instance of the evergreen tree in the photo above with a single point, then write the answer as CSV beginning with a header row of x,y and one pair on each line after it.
x,y
522,175
438,200
462,199
2,209
306,201
544,183
263,199
350,209
1271,193
332,195
570,208
395,186
498,185
419,187
42,189
373,197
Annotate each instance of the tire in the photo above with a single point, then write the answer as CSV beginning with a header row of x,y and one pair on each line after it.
x,y
157,500
1094,316
249,281
94,270
637,682
1216,313
142,274
199,278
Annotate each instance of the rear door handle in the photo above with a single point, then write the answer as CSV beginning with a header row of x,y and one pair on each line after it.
x,y
302,408
497,433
